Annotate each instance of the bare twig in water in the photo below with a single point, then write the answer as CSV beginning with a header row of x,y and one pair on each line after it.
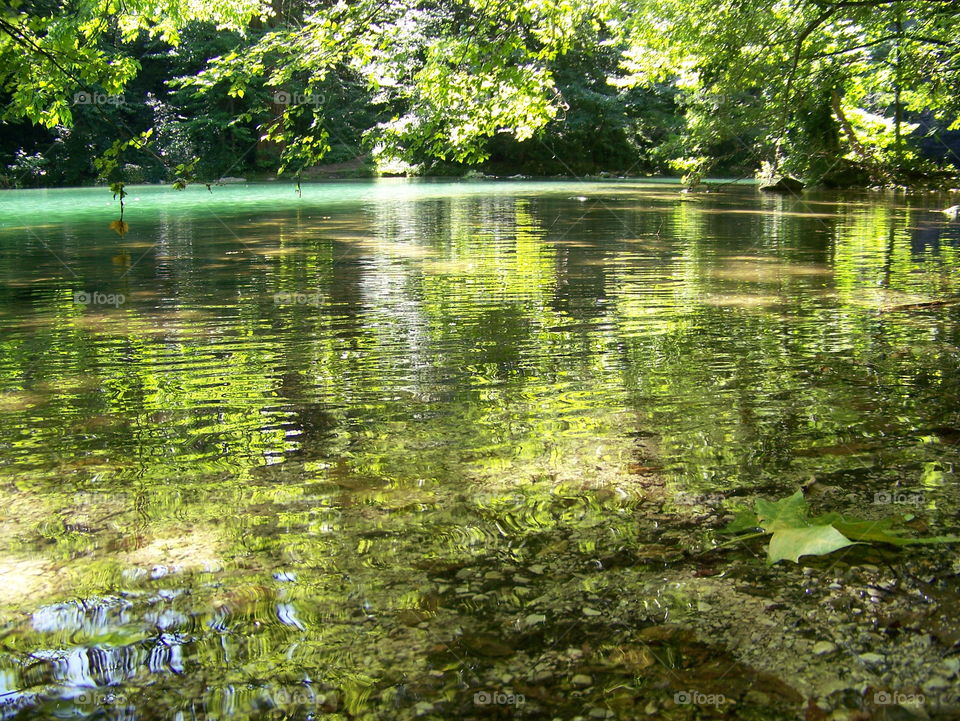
x,y
920,306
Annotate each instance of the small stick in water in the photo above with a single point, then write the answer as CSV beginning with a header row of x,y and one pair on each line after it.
x,y
917,306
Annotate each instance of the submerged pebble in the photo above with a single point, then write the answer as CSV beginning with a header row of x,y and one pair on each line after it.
x,y
822,648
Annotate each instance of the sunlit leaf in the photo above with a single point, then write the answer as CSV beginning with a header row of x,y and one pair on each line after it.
x,y
791,543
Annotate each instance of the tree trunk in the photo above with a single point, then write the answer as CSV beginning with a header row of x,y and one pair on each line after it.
x,y
848,130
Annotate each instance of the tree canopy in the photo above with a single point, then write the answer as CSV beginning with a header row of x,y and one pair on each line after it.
x,y
839,92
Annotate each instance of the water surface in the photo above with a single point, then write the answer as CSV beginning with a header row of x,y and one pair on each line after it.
x,y
251,445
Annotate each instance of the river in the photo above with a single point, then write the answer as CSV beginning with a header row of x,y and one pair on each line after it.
x,y
374,449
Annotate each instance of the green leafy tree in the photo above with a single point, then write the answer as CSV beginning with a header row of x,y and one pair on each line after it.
x,y
830,82
444,77
832,90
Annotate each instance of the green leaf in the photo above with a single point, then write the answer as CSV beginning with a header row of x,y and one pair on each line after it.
x,y
118,189
743,520
795,535
881,531
790,512
791,543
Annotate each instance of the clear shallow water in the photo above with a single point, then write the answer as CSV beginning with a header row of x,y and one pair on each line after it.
x,y
249,445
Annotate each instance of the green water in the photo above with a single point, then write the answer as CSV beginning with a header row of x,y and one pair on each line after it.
x,y
253,447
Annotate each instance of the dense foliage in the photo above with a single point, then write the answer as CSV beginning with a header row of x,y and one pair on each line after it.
x,y
841,92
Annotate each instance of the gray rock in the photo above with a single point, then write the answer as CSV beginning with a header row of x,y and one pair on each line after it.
x,y
950,667
822,648
937,683
581,679
598,712
757,698
872,658
781,184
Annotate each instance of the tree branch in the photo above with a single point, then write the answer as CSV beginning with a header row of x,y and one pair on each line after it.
x,y
788,91
915,38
